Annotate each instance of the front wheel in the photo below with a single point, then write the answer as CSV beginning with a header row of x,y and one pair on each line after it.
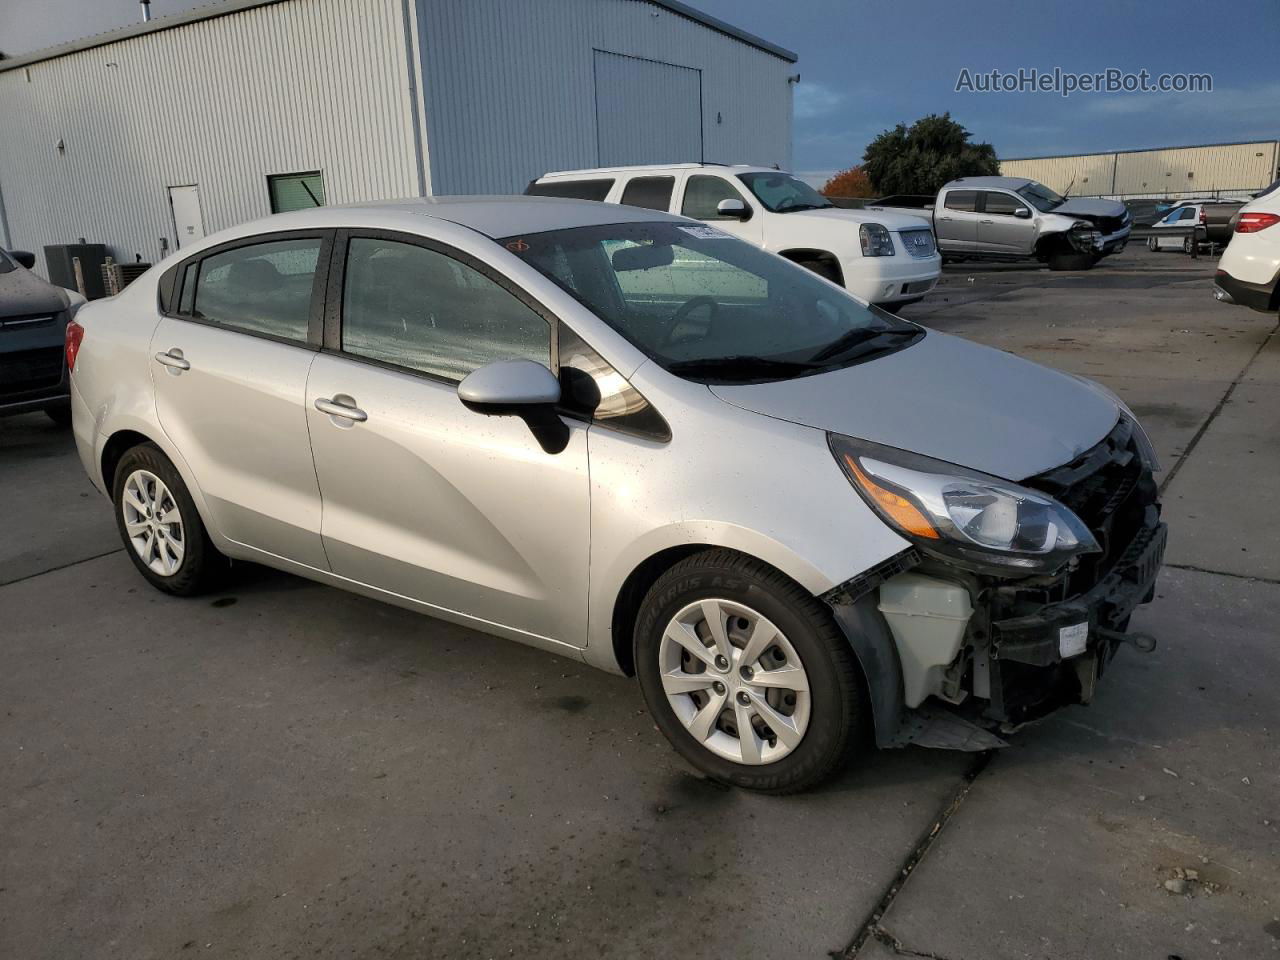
x,y
1071,261
1153,244
747,674
157,520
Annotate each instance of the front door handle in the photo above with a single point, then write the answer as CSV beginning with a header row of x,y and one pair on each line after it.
x,y
945,219
174,359
341,406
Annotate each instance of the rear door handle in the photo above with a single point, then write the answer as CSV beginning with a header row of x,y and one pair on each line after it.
x,y
341,406
174,359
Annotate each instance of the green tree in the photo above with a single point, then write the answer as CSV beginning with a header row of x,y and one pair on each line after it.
x,y
921,158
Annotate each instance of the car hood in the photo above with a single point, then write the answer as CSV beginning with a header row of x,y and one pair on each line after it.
x,y
1090,207
890,221
22,292
950,399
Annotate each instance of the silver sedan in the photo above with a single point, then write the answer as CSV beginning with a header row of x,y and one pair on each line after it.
x,y
630,439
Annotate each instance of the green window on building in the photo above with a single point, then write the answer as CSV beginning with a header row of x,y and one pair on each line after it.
x,y
296,191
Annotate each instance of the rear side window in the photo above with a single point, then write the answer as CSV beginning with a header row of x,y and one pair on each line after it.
x,y
652,193
703,194
413,307
966,200
261,288
571,189
1002,204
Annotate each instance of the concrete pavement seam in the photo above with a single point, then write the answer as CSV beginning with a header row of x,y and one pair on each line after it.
x,y
1213,415
1222,573
62,566
898,947
868,928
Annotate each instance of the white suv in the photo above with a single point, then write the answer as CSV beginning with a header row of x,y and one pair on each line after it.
x,y
1249,271
889,259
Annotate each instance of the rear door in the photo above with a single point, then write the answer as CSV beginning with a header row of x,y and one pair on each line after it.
x,y
1000,229
422,497
956,220
230,369
700,197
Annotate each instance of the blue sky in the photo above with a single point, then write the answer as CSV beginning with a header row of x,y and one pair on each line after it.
x,y
869,64
866,65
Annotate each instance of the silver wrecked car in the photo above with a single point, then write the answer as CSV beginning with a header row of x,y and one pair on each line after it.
x,y
631,439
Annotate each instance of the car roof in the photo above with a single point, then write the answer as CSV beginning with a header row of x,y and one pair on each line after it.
x,y
999,183
652,168
495,216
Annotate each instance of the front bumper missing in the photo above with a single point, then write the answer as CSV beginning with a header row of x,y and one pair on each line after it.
x,y
1054,657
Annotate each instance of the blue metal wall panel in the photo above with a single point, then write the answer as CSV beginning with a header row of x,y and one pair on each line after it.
x,y
646,111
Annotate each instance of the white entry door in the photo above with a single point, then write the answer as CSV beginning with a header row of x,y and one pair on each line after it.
x,y
188,222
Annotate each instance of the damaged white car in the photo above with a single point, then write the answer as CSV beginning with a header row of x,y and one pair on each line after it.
x,y
631,439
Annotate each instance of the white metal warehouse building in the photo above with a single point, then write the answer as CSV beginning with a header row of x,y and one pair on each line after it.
x,y
1213,169
148,137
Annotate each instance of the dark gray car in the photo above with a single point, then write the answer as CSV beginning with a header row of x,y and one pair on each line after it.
x,y
33,323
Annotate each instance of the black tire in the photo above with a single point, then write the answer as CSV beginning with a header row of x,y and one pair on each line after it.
x,y
59,413
1188,246
201,566
838,714
1153,244
824,269
1071,261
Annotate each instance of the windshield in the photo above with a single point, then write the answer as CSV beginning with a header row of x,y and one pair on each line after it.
x,y
1040,196
783,193
707,306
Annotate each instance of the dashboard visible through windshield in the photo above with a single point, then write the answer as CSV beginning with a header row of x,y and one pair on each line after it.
x,y
783,193
709,307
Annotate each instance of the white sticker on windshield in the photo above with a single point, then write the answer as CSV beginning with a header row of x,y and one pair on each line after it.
x,y
703,233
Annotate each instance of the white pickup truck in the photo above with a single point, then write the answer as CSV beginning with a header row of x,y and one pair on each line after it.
x,y
884,258
1012,218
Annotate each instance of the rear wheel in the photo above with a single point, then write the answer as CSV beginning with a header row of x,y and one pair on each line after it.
x,y
59,413
747,674
158,522
1188,246
1153,244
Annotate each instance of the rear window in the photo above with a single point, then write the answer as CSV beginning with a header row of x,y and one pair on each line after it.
x,y
652,193
571,189
962,200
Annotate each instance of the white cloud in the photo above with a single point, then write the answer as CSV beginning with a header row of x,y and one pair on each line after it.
x,y
815,100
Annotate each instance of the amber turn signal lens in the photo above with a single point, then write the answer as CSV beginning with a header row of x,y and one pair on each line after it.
x,y
898,508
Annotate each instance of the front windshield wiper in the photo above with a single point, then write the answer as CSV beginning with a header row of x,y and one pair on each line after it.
x,y
741,366
856,337
805,206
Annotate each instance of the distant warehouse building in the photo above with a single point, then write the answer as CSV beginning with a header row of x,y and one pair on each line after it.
x,y
151,137
1215,169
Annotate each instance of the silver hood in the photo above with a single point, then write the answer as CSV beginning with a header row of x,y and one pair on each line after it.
x,y
1090,207
950,399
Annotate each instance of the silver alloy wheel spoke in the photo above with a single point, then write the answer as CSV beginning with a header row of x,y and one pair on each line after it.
x,y
743,706
153,523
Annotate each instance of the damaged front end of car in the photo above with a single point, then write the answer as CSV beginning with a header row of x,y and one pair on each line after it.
x,y
982,642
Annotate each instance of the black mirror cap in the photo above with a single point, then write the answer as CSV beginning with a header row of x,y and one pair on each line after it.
x,y
24,257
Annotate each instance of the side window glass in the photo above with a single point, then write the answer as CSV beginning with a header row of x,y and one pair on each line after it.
x,y
416,308
261,288
593,388
703,194
1188,213
652,193
571,189
1001,204
187,297
964,200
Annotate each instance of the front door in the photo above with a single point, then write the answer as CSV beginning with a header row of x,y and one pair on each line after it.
x,y
230,374
188,221
701,197
422,497
1001,229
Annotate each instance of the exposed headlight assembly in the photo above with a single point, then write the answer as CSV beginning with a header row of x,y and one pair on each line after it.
x,y
983,521
876,240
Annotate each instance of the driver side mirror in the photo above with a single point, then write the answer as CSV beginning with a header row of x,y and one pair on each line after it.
x,y
1022,213
733,209
518,388
24,257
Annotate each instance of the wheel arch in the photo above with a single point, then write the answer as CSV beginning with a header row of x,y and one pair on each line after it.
x,y
117,445
803,255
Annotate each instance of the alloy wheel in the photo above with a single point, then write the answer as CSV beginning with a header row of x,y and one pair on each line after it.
x,y
734,681
153,523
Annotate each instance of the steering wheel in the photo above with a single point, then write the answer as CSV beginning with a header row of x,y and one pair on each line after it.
x,y
682,312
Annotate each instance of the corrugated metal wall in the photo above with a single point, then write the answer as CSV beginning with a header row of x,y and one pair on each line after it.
x,y
1218,169
295,86
646,111
510,91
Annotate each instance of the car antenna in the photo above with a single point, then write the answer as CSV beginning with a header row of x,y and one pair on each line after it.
x,y
1067,193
